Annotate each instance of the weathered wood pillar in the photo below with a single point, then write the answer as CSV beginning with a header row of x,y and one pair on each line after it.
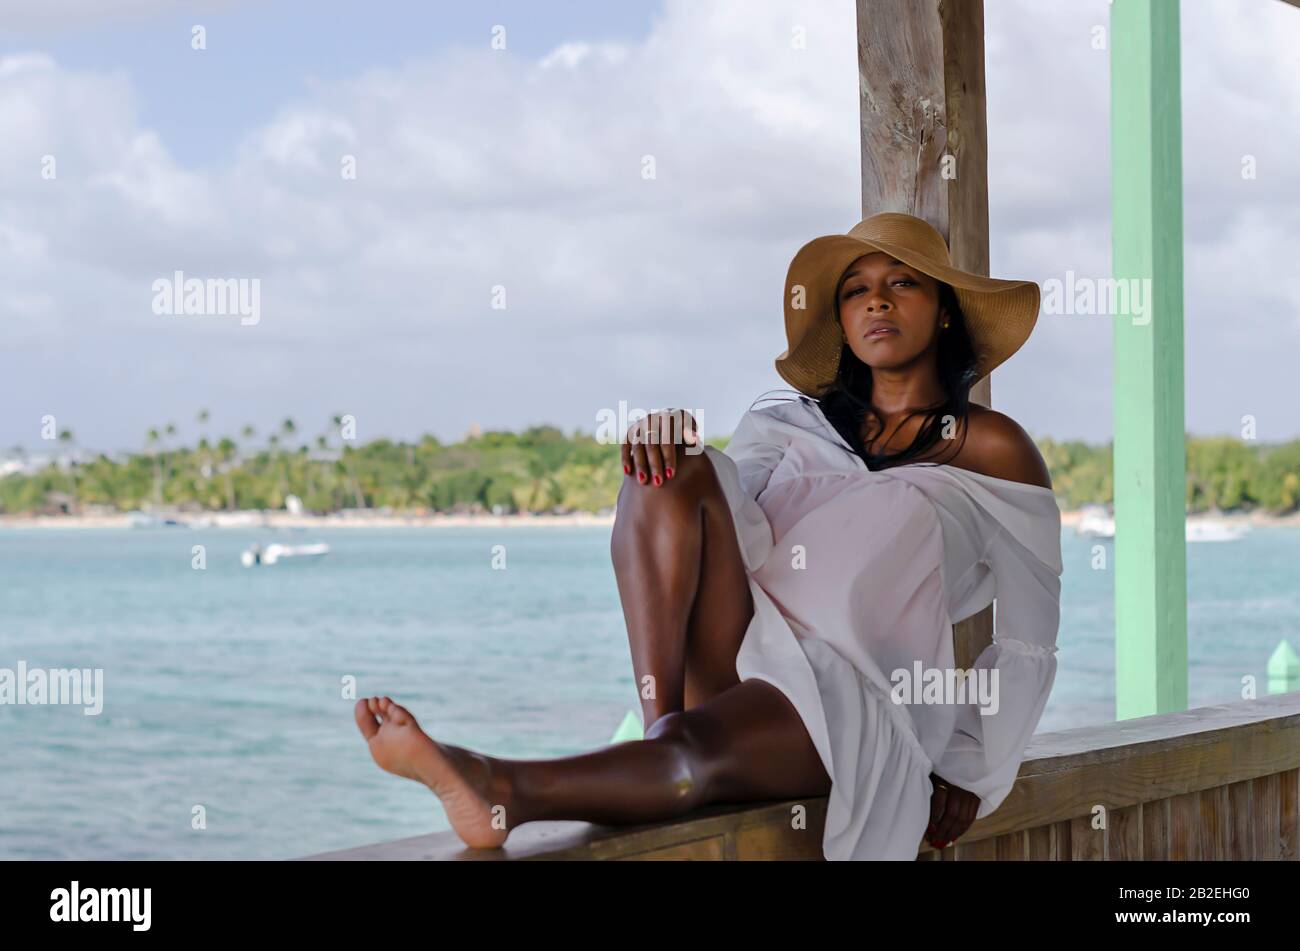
x,y
1150,564
925,147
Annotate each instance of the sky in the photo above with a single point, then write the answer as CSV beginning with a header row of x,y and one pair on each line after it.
x,y
500,257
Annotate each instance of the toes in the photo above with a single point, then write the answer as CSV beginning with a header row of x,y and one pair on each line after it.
x,y
366,721
398,714
373,704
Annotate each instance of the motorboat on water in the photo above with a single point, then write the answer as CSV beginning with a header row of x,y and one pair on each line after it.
x,y
139,519
1214,530
275,553
1097,521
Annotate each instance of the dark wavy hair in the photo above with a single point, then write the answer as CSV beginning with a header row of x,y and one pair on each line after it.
x,y
847,402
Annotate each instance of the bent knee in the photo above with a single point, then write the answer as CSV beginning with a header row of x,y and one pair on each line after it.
x,y
693,482
677,734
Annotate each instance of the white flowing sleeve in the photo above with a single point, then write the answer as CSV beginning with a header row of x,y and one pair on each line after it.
x,y
986,750
756,447
743,470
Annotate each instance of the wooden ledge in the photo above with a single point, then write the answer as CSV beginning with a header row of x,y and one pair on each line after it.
x,y
1064,777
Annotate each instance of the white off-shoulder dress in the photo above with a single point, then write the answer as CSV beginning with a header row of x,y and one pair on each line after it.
x,y
859,575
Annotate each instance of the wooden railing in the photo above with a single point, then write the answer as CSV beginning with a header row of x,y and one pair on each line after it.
x,y
1218,782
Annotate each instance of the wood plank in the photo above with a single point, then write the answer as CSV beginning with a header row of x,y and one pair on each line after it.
x,y
1241,843
1185,828
782,842
1086,843
980,850
1213,830
1187,726
1155,831
1061,841
1288,820
1041,843
1124,834
902,108
583,840
1172,757
712,849
1266,798
1012,847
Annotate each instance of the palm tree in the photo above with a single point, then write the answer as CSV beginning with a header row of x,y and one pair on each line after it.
x,y
68,440
151,442
226,451
347,464
205,448
273,446
170,431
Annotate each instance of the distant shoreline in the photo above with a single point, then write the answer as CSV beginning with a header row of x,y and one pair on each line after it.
x,y
278,520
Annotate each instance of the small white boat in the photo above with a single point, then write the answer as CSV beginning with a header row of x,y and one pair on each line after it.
x,y
138,519
1097,522
1214,530
275,552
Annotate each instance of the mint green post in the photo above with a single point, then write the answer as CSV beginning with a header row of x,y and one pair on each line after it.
x,y
1150,562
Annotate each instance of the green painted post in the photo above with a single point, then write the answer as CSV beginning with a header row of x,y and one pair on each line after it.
x,y
629,729
1283,669
1147,257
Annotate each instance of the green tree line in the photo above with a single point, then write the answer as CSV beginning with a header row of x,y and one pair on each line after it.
x,y
537,470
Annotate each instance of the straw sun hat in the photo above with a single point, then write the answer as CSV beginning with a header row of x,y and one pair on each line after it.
x,y
999,314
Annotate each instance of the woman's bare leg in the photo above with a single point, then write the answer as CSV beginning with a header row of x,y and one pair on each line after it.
x,y
746,743
683,586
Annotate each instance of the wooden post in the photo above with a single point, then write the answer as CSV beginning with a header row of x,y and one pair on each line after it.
x,y
924,148
1150,562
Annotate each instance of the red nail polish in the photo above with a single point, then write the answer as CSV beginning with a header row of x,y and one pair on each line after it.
x,y
670,472
627,470
640,477
658,478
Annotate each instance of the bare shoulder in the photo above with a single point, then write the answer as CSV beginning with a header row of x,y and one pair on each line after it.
x,y
997,446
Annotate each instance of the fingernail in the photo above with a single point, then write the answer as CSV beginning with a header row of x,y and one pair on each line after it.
x,y
640,477
627,470
658,478
670,472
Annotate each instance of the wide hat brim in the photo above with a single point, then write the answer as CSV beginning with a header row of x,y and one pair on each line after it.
x,y
999,314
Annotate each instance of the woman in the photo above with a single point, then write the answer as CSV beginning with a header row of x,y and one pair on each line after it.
x,y
789,602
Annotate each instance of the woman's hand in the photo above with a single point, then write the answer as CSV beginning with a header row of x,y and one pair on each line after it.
x,y
650,448
952,810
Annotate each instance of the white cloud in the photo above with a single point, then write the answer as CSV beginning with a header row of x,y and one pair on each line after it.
x,y
46,17
480,169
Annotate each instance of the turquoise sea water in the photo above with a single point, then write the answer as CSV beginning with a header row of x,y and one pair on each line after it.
x,y
223,686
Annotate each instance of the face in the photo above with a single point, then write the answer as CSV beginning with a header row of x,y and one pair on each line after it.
x,y
890,311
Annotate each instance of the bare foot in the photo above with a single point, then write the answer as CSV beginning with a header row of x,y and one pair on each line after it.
x,y
462,780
